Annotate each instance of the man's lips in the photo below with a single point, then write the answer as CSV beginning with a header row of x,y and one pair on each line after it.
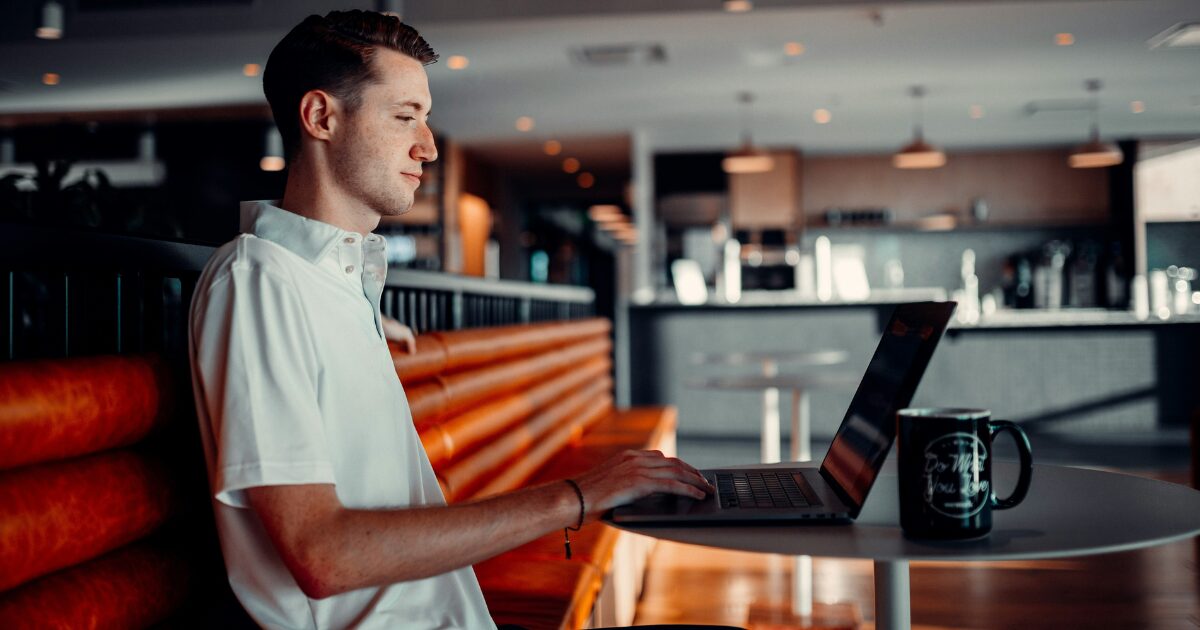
x,y
416,178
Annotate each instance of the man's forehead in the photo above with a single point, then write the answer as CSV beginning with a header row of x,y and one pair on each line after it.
x,y
400,80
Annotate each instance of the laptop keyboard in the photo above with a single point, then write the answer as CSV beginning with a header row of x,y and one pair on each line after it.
x,y
759,490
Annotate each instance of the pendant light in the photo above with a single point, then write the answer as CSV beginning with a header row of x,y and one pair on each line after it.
x,y
748,158
1094,153
272,159
918,153
52,21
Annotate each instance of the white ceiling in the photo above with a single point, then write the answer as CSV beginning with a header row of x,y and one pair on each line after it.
x,y
1000,55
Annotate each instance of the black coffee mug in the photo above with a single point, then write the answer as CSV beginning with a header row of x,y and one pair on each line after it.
x,y
945,466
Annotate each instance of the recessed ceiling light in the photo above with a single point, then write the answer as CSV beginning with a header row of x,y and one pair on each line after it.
x,y
51,78
250,69
793,49
570,165
524,123
822,116
737,6
586,180
552,147
457,62
1064,39
976,111
1137,107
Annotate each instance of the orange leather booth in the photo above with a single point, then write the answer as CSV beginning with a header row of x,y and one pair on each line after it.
x,y
91,496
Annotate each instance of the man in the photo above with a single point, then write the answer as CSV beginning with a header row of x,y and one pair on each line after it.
x,y
328,510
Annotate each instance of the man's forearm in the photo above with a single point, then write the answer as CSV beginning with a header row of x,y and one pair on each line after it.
x,y
331,549
354,549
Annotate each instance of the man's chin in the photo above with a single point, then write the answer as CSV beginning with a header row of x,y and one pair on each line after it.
x,y
396,210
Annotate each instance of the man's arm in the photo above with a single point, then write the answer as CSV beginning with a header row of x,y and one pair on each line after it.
x,y
331,549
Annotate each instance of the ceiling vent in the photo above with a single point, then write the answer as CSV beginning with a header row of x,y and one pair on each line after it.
x,y
619,55
1182,35
1058,105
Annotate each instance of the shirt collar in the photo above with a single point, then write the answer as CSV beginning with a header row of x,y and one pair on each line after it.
x,y
308,238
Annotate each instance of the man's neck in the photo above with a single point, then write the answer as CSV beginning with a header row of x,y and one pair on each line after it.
x,y
309,195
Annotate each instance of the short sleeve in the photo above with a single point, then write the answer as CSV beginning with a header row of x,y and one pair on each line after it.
x,y
254,357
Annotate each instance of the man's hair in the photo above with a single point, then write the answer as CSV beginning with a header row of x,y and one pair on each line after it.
x,y
332,53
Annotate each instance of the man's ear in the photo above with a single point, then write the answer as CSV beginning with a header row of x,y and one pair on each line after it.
x,y
318,114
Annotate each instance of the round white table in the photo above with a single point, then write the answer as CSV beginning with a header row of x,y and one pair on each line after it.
x,y
1068,512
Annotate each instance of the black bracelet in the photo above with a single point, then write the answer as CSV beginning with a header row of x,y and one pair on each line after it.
x,y
566,535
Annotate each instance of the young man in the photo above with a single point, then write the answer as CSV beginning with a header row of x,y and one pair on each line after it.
x,y
328,510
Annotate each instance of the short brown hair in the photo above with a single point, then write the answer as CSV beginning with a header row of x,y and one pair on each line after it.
x,y
332,53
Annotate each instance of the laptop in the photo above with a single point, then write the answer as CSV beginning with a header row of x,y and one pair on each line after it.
x,y
836,491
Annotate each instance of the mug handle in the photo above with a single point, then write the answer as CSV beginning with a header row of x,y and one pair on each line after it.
x,y
1000,426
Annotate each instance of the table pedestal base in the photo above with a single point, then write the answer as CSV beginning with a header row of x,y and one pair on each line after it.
x,y
892,603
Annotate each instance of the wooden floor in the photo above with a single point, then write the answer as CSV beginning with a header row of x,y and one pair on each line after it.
x,y
1152,588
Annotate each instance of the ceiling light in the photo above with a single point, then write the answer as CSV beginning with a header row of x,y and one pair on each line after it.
x,y
1094,153
1137,107
1181,35
524,123
457,62
918,153
822,116
51,78
976,111
748,158
250,70
552,147
52,21
570,165
586,180
737,6
272,159
793,49
1064,39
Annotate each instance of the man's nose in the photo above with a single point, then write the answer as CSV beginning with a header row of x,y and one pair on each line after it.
x,y
425,148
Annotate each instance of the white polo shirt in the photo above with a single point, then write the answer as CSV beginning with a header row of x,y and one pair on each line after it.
x,y
294,385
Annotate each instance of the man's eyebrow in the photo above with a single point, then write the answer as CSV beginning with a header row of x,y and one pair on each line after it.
x,y
413,104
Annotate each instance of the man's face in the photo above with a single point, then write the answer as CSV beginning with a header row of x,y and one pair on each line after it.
x,y
387,139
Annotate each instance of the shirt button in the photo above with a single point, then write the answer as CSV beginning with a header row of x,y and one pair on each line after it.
x,y
349,268
349,240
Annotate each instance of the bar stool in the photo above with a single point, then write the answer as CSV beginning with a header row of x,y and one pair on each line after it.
x,y
769,364
801,444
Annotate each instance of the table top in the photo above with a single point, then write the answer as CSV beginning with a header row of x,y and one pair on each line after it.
x,y
1068,512
782,381
795,357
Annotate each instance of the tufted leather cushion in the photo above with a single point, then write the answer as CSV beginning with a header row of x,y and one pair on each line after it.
x,y
515,455
63,408
441,352
135,587
468,430
60,514
428,360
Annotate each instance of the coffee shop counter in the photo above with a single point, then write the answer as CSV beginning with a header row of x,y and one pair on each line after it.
x,y
1072,372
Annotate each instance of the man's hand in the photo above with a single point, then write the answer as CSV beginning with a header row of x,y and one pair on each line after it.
x,y
635,474
399,333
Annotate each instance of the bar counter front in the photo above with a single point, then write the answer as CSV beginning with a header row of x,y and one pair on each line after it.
x,y
1079,373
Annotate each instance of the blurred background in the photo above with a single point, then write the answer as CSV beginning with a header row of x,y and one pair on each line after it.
x,y
1037,161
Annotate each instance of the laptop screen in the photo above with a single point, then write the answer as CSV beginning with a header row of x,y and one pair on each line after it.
x,y
869,428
